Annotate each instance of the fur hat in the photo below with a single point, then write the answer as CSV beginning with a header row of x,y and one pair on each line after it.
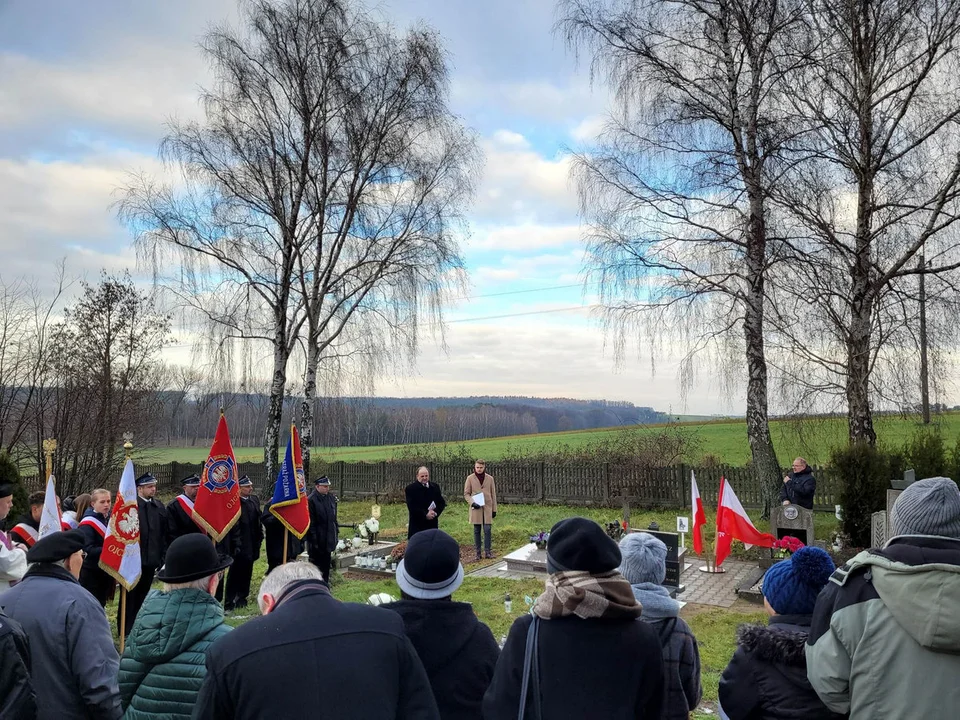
x,y
581,544
791,586
928,507
644,558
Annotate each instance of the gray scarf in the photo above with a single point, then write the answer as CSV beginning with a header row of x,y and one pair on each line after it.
x,y
656,601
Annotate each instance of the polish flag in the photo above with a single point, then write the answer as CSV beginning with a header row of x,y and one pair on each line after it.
x,y
699,517
50,518
120,557
734,524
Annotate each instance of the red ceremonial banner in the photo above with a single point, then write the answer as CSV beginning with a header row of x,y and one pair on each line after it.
x,y
217,506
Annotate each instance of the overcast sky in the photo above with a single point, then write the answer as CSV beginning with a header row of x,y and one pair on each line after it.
x,y
85,88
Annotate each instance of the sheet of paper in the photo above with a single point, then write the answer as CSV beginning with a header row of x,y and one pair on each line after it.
x,y
478,499
432,506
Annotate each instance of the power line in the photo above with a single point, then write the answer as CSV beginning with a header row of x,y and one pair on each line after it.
x,y
521,314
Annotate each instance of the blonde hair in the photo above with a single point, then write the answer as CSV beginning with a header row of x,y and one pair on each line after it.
x,y
97,493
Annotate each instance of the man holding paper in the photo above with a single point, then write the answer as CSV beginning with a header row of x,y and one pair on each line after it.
x,y
424,504
481,494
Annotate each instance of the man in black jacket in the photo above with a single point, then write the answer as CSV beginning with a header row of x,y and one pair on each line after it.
x,y
799,485
153,545
17,697
323,532
457,650
274,531
253,672
250,538
425,503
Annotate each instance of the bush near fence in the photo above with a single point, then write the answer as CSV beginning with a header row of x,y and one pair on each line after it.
x,y
604,484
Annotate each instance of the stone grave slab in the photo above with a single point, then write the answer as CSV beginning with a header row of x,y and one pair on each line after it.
x,y
793,521
528,559
378,549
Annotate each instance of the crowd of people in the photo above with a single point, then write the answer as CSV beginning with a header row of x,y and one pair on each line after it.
x,y
603,640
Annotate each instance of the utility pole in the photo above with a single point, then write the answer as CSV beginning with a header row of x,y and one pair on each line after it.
x,y
924,377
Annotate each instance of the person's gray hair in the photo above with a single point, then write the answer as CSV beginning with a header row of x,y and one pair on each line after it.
x,y
422,467
200,584
282,576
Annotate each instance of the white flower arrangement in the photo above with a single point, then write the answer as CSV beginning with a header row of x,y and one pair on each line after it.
x,y
362,528
341,546
372,525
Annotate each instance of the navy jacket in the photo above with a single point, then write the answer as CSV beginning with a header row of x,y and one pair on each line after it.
x,y
315,654
17,698
800,488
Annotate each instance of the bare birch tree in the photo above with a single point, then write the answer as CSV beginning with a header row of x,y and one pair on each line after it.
x,y
676,191
325,177
876,180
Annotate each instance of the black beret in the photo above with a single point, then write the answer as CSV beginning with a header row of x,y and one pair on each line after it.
x,y
55,547
6,490
581,544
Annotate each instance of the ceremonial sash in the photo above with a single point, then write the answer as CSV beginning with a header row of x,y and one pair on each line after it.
x,y
65,525
25,534
187,505
95,524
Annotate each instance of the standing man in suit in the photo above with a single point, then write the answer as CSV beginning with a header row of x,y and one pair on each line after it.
x,y
250,538
424,504
323,532
153,545
180,510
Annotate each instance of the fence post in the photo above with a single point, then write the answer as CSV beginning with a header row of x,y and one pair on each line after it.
x,y
383,480
683,486
541,491
606,483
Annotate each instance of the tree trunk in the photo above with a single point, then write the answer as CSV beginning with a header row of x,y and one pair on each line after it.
x,y
765,466
271,436
309,399
859,413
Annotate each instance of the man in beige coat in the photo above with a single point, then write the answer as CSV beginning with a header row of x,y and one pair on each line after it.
x,y
481,514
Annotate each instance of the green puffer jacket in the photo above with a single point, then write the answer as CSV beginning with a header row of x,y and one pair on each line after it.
x,y
162,667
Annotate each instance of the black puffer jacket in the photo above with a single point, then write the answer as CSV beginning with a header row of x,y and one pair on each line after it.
x,y
457,650
767,677
17,698
800,488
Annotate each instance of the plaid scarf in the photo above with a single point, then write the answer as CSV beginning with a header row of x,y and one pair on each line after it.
x,y
607,596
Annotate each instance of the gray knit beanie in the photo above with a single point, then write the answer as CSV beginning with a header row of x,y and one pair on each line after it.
x,y
928,507
644,559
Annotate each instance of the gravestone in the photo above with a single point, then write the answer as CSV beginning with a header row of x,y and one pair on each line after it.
x,y
675,557
878,529
793,521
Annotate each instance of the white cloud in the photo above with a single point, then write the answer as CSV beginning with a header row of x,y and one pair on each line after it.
x,y
588,129
518,238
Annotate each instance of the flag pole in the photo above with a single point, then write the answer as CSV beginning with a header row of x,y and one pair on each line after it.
x,y
286,537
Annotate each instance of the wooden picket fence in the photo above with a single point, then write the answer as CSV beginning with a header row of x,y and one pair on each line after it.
x,y
603,484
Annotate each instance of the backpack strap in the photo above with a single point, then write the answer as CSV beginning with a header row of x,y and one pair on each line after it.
x,y
531,674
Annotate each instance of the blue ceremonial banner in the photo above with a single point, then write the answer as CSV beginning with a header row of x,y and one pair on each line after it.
x,y
289,503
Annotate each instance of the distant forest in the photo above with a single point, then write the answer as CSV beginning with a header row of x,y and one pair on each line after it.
x,y
184,421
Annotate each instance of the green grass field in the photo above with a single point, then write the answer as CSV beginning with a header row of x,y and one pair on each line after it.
x,y
722,439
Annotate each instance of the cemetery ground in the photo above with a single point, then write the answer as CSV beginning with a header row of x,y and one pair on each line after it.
x,y
715,628
725,440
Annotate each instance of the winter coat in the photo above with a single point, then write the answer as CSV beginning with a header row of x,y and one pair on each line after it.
x,y
316,655
13,562
588,669
153,532
799,488
92,540
767,676
273,531
179,522
885,632
418,499
681,657
162,667
484,515
457,650
73,658
250,533
323,532
17,697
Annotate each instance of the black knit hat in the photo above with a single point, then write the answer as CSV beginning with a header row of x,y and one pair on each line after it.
x,y
191,557
431,567
581,544
55,547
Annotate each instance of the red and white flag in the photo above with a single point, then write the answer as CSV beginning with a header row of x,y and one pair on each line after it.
x,y
50,518
120,557
734,524
699,517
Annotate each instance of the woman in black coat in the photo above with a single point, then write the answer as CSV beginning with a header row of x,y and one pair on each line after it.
x,y
767,676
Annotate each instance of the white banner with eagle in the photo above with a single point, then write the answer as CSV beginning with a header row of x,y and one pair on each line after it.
x,y
121,545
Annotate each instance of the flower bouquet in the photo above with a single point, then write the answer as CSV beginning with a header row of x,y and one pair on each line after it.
x,y
616,529
540,540
396,555
786,546
369,529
